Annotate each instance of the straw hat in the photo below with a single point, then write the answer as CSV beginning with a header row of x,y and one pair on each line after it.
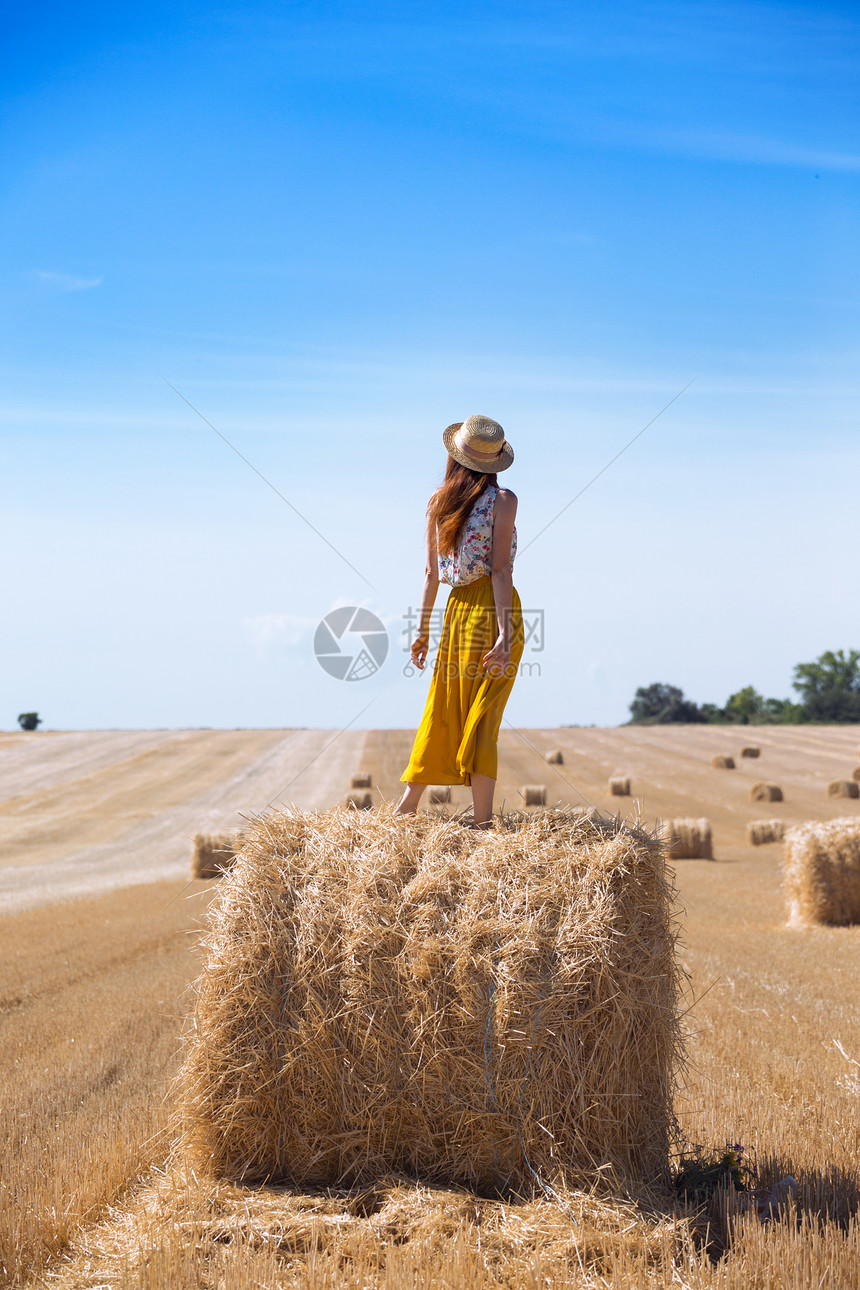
x,y
479,444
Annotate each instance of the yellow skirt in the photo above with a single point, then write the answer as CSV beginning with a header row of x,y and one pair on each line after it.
x,y
459,732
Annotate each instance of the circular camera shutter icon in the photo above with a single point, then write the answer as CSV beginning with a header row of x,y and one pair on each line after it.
x,y
351,643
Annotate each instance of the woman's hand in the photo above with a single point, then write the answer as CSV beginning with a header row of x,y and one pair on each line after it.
x,y
497,659
419,648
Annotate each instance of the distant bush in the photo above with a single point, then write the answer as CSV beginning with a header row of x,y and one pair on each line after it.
x,y
29,720
660,704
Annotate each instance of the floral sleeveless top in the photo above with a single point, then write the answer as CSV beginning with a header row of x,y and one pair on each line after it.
x,y
473,557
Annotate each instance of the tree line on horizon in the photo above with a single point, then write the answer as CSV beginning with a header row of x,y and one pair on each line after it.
x,y
828,693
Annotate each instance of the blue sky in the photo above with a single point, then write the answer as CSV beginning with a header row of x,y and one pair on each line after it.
x,y
335,229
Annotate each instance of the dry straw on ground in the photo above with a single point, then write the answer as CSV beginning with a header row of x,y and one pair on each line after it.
x,y
763,792
688,839
363,779
440,794
750,750
619,786
406,994
843,788
556,757
533,794
213,853
760,832
822,872
359,801
722,762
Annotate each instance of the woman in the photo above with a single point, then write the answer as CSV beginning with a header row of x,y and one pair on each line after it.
x,y
471,544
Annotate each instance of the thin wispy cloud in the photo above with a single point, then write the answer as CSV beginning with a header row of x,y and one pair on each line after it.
x,y
65,282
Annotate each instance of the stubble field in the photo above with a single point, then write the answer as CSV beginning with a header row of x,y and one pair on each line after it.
x,y
93,991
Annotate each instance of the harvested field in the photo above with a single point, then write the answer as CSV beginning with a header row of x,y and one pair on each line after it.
x,y
92,993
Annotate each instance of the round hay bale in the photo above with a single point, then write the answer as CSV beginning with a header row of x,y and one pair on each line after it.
x,y
362,779
760,832
687,839
855,774
619,786
359,801
822,872
722,762
494,1010
533,794
212,854
750,750
843,788
556,757
763,792
440,794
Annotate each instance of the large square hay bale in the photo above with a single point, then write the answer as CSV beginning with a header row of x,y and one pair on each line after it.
x,y
688,839
760,832
359,801
722,762
843,788
362,779
619,786
533,794
751,750
822,872
763,792
404,994
213,853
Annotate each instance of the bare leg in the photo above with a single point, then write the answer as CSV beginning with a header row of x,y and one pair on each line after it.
x,y
408,803
483,789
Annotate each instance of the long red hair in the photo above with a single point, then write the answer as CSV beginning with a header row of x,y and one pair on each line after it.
x,y
450,505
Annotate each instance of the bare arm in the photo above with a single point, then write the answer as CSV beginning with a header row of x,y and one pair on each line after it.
x,y
421,643
505,513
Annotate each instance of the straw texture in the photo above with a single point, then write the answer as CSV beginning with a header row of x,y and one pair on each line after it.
x,y
760,832
405,993
619,786
763,792
722,762
843,788
822,872
213,853
750,750
688,839
533,794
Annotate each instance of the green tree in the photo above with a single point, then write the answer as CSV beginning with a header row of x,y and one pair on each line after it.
x,y
745,706
659,704
29,720
829,688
